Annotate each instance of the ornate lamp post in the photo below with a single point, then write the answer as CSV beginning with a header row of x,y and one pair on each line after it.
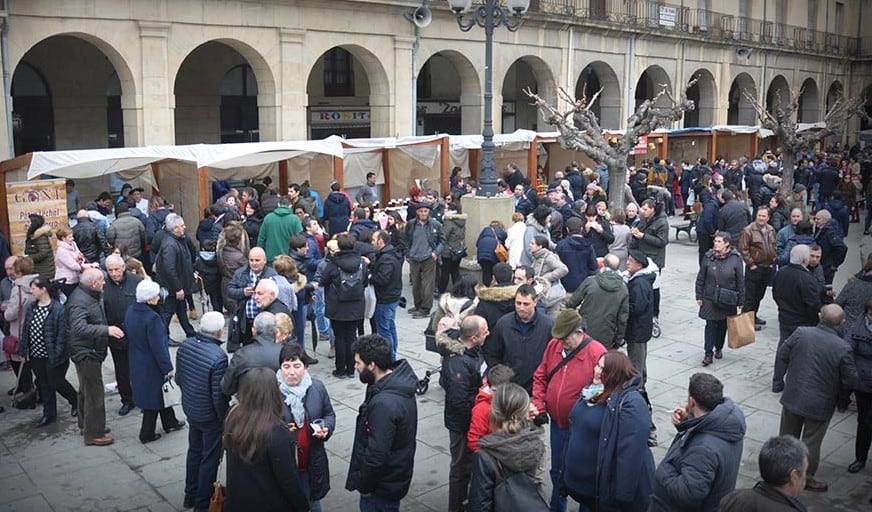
x,y
488,15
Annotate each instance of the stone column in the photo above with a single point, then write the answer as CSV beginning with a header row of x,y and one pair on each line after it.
x,y
292,92
155,116
402,88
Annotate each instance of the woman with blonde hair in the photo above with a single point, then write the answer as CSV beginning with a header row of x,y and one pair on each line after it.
x,y
284,329
231,252
515,239
69,260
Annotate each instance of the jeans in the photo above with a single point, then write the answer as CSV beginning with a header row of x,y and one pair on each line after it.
x,y
92,403
321,321
346,334
374,503
559,436
385,319
201,465
121,360
149,421
180,308
755,287
53,380
715,333
314,506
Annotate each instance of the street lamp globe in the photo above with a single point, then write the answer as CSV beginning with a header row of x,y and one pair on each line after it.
x,y
518,7
459,6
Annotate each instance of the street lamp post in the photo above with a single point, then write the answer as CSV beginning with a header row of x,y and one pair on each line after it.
x,y
488,15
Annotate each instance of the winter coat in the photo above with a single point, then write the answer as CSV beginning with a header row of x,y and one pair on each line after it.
x,y
19,301
237,285
54,334
155,223
68,262
493,303
640,321
38,248
706,223
148,350
732,217
833,248
518,453
601,241
778,218
486,244
727,273
200,365
175,265
454,229
605,306
859,337
87,326
386,275
558,395
348,310
317,405
519,349
579,256
757,246
577,183
656,236
621,246
434,233
762,498
230,259
548,266
127,231
90,240
479,421
784,256
117,297
515,242
460,378
624,464
819,363
533,229
702,464
277,230
383,454
204,230
337,210
853,296
260,353
251,225
798,295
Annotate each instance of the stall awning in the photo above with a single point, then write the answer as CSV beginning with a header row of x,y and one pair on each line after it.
x,y
228,156
89,163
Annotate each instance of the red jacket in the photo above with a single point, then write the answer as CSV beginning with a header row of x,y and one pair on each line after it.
x,y
479,424
559,395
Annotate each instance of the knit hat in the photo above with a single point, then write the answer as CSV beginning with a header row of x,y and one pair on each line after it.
x,y
567,321
798,188
639,256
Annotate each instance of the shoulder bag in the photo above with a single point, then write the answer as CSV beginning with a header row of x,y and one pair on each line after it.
x,y
500,251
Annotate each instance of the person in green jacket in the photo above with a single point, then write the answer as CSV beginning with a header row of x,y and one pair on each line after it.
x,y
278,228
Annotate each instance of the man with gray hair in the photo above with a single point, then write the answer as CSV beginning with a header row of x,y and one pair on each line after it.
x,y
828,235
119,293
604,303
819,363
797,293
266,297
200,367
783,463
263,351
175,272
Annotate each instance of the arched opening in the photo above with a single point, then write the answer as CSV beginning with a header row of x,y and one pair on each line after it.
x,y
348,94
809,104
449,96
740,110
651,82
778,94
703,94
598,76
531,73
66,94
216,90
834,93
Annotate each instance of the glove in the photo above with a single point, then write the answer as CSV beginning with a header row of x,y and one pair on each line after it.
x,y
541,419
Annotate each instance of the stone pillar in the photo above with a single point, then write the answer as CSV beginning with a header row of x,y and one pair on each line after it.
x,y
480,211
402,87
155,116
292,92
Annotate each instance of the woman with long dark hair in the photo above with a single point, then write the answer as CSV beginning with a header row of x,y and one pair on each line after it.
x,y
43,344
253,219
37,245
262,468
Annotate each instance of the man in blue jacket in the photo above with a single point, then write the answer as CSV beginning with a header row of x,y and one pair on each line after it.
x,y
200,366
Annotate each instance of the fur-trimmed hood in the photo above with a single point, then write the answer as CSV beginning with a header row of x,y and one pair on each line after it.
x,y
45,229
496,293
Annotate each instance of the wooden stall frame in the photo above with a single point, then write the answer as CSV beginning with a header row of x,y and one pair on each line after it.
x,y
19,162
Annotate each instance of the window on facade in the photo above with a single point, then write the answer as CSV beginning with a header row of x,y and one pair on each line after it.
x,y
840,13
239,115
742,22
338,73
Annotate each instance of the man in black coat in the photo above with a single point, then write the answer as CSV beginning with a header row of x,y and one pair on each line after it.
x,y
89,239
640,291
119,293
175,272
797,293
828,235
383,454
337,210
819,364
732,216
200,365
499,299
386,277
263,351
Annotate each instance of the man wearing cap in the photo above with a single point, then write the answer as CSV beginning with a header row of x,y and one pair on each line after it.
x,y
640,321
424,238
566,368
797,199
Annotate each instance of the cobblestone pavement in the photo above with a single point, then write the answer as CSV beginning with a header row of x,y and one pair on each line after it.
x,y
50,469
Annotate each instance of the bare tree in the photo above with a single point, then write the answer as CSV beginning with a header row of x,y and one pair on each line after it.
x,y
782,121
580,129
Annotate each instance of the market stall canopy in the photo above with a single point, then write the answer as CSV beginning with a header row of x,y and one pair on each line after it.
x,y
228,156
90,163
520,138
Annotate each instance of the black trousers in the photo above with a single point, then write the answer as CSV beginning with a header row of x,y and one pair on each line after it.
x,y
201,465
705,243
450,270
864,424
120,358
756,282
180,308
52,380
487,272
149,421
346,334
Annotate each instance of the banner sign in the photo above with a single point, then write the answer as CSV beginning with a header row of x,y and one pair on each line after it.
x,y
42,197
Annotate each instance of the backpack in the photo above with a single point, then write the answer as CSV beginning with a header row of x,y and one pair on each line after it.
x,y
351,285
514,491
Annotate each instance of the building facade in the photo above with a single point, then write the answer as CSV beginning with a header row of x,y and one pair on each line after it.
x,y
106,73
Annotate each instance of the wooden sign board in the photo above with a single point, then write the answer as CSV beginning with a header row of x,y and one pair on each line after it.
x,y
43,197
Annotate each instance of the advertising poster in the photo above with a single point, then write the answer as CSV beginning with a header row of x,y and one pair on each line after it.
x,y
43,197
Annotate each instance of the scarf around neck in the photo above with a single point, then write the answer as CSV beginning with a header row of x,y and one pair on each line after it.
x,y
294,395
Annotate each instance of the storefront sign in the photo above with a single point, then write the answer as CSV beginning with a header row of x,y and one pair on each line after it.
x,y
330,117
641,147
43,197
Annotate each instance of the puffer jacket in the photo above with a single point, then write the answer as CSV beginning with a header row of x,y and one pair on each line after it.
x,y
548,266
460,378
558,395
38,248
87,326
454,229
383,454
486,244
702,464
337,210
127,231
605,305
854,295
387,275
200,366
518,453
859,336
54,334
335,309
728,273
90,240
579,256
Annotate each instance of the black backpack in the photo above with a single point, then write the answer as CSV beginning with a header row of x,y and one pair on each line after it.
x,y
514,491
350,285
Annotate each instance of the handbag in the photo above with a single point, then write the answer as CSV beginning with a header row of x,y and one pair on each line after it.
x,y
740,330
216,503
556,294
500,251
725,297
172,395
458,253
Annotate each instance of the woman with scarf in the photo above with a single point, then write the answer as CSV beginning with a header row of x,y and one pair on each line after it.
x,y
609,428
309,413
720,292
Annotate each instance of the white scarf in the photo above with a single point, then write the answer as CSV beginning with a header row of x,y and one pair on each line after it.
x,y
294,395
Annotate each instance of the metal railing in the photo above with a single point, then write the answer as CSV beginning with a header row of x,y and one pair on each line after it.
x,y
703,23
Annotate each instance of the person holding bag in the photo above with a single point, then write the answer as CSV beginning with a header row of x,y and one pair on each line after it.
x,y
19,300
720,292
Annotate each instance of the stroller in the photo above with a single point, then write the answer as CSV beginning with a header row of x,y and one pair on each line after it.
x,y
430,346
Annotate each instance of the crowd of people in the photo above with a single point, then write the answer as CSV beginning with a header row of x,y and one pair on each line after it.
x,y
555,332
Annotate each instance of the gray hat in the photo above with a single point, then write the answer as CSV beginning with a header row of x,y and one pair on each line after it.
x,y
639,256
566,323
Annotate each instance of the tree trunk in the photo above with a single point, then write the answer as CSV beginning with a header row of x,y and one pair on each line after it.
x,y
788,161
617,179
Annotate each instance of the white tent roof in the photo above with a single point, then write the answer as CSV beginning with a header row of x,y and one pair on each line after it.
x,y
228,156
501,139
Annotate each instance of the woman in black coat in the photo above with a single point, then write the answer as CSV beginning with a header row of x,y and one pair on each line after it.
x,y
253,219
43,343
485,247
720,292
859,336
310,414
261,450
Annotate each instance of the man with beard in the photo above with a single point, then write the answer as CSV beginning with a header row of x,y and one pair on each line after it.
x,y
119,293
383,454
386,277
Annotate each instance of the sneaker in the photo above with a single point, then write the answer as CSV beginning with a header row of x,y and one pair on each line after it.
x,y
655,329
323,337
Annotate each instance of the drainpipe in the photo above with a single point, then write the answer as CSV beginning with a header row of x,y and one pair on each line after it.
x,y
569,85
630,70
415,47
7,80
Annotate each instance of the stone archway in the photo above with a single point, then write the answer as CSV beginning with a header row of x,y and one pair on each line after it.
x,y
517,112
740,111
704,94
778,94
835,92
598,76
452,102
809,103
650,83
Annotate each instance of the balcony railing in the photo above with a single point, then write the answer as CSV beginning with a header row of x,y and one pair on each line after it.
x,y
704,23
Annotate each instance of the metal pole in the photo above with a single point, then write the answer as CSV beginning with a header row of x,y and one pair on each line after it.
x,y
487,171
